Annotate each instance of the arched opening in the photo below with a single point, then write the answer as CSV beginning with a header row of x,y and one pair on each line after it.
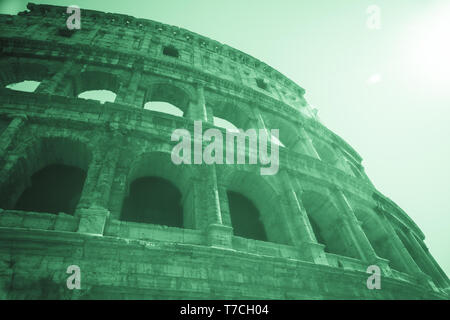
x,y
289,134
419,257
55,161
163,107
99,95
230,115
153,200
245,217
167,98
253,203
158,186
324,218
55,188
22,74
379,238
96,85
24,86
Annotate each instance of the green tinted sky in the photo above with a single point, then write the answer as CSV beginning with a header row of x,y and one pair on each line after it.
x,y
398,121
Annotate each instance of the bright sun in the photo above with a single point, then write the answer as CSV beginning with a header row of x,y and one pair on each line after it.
x,y
428,43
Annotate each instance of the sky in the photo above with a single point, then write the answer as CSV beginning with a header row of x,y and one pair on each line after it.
x,y
385,91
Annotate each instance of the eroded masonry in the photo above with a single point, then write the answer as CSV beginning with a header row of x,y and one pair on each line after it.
x,y
92,184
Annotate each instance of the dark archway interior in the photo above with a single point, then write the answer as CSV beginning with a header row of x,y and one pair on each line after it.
x,y
153,200
55,188
245,217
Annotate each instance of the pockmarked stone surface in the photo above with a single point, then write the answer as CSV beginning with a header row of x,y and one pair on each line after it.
x,y
93,207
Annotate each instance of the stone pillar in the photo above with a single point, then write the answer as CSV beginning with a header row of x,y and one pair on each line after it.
x,y
308,144
300,228
197,109
126,93
93,211
359,238
61,82
8,135
425,257
207,206
8,160
409,262
224,206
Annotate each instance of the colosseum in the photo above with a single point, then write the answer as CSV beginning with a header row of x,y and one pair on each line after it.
x,y
91,184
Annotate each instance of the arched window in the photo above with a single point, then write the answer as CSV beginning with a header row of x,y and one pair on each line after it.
x,y
24,86
55,188
96,85
380,239
419,257
252,202
22,74
245,217
153,200
47,177
324,216
167,98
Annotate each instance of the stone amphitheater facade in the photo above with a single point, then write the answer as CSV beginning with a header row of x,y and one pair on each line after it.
x,y
323,221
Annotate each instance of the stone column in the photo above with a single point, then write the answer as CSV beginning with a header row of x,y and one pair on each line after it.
x,y
94,208
357,234
197,109
8,160
218,233
409,262
425,257
61,82
127,91
307,143
8,135
300,228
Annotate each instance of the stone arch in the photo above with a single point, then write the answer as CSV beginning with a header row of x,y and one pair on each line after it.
x,y
379,238
156,164
289,134
95,80
263,195
325,219
62,154
18,70
238,114
169,92
418,255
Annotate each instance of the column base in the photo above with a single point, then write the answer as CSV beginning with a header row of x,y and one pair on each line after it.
x,y
93,220
219,235
314,252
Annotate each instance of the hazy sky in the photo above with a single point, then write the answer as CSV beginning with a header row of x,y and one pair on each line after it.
x,y
386,91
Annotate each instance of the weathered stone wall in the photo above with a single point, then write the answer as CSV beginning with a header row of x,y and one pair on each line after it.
x,y
321,181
